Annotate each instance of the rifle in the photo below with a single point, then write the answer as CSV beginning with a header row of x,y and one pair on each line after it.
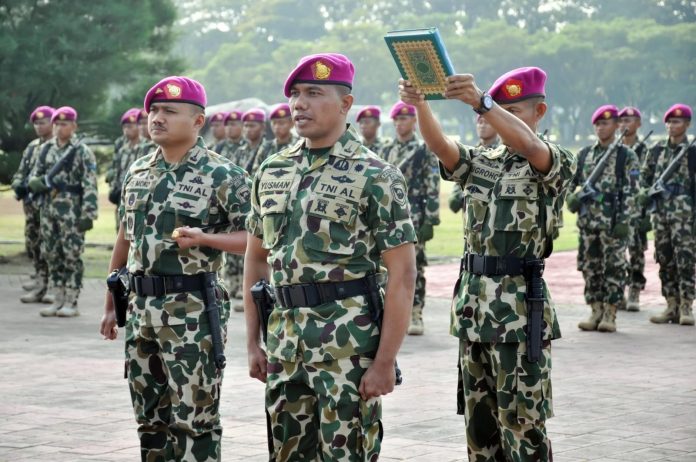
x,y
59,166
660,190
588,191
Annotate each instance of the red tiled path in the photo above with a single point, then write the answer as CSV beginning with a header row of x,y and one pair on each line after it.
x,y
565,282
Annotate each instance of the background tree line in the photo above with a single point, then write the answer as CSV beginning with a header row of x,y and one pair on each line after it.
x,y
101,56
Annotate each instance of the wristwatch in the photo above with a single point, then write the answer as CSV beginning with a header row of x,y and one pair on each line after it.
x,y
486,104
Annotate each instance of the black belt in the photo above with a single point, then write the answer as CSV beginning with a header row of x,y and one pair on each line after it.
x,y
314,294
68,188
498,266
158,286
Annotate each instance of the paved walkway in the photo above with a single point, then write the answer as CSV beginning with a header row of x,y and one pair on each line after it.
x,y
629,396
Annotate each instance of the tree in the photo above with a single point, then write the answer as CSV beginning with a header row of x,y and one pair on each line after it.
x,y
82,54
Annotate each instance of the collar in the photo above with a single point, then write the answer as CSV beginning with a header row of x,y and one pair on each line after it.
x,y
347,146
193,156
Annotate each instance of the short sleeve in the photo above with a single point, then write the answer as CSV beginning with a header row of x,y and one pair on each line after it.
x,y
237,197
389,213
460,173
563,165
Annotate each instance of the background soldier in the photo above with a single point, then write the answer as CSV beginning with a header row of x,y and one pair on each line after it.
x,y
488,138
630,121
173,378
234,139
281,126
419,168
673,215
146,143
254,121
41,119
66,179
126,151
368,121
324,214
217,129
505,368
603,220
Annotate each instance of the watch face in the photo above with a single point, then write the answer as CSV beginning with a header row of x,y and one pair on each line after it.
x,y
488,102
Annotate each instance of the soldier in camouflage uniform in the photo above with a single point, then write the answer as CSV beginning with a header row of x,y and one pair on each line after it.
x,y
511,205
217,129
126,151
234,140
281,126
146,143
254,121
174,382
604,221
68,209
630,121
324,214
368,119
421,173
231,148
41,119
488,138
674,217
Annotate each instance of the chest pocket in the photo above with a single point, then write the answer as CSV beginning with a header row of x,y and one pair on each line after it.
x,y
331,225
517,205
273,217
135,211
182,210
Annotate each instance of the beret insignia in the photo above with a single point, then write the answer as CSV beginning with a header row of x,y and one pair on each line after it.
x,y
131,119
513,88
158,91
607,114
321,71
368,113
678,112
40,115
404,110
174,90
281,113
61,116
630,112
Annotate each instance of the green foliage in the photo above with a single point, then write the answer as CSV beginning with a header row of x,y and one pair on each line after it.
x,y
95,56
638,52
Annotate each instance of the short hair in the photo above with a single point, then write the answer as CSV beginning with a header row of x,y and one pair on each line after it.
x,y
342,90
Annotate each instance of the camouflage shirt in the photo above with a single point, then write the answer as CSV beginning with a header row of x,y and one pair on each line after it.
x,y
270,147
457,192
246,156
146,147
616,203
680,206
511,211
81,173
28,161
419,167
327,219
377,145
124,156
202,189
228,148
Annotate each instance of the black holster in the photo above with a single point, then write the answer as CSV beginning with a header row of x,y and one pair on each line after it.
x,y
535,299
119,286
377,310
264,298
212,310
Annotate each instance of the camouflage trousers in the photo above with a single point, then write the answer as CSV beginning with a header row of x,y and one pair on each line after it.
x,y
316,413
506,402
602,260
32,240
421,263
175,391
675,246
233,273
637,246
62,246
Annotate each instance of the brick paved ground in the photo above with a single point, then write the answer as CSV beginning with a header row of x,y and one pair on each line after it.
x,y
630,396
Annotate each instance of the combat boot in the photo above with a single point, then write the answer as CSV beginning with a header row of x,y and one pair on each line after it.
x,y
669,314
686,314
416,326
595,317
608,323
31,285
633,299
36,295
48,298
69,308
56,305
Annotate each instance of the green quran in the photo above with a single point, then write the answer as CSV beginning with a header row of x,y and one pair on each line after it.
x,y
422,59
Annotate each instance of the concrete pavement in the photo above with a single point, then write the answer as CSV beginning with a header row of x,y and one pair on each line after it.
x,y
629,396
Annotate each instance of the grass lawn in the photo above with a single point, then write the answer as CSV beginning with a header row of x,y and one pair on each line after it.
x,y
446,245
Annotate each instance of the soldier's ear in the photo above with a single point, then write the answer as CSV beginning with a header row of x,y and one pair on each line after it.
x,y
540,109
346,103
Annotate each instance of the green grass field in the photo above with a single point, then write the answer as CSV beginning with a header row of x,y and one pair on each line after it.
x,y
446,245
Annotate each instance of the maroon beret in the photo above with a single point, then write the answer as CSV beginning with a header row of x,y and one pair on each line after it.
x,y
234,115
630,111
605,112
218,117
322,68
280,111
402,108
130,116
254,115
176,89
678,110
518,85
41,112
369,111
64,113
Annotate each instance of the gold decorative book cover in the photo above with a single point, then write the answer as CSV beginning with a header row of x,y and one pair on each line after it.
x,y
422,59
